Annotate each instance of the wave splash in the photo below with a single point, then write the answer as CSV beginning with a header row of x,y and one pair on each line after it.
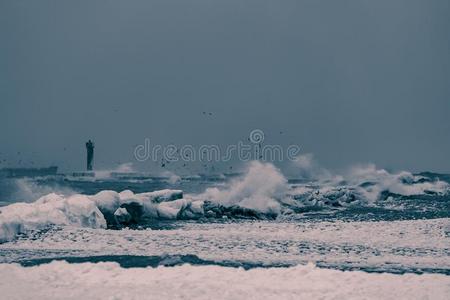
x,y
359,185
261,189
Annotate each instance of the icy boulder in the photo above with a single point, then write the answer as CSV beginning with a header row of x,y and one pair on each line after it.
x,y
171,209
107,201
127,208
215,210
52,209
145,205
122,216
165,204
180,209
160,196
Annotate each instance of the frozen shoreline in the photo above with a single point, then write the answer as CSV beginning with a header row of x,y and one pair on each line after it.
x,y
59,280
403,246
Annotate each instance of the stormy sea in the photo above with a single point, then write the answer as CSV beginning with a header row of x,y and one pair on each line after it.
x,y
365,232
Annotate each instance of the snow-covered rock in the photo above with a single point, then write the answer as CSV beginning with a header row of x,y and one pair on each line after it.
x,y
122,216
52,209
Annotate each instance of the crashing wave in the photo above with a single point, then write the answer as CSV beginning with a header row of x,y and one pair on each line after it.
x,y
261,189
361,185
373,182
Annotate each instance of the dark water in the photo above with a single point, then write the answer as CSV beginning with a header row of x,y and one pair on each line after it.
x,y
134,261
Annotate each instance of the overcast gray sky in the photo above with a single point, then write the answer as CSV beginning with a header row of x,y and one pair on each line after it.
x,y
350,81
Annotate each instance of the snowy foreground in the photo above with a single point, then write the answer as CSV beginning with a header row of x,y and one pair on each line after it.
x,y
60,280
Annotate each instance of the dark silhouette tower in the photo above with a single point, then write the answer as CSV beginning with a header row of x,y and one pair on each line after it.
x,y
90,154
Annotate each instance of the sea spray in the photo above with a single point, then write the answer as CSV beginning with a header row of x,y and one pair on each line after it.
x,y
260,189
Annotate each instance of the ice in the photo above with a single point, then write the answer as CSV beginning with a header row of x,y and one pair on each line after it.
x,y
109,281
170,210
160,196
53,209
122,216
126,206
107,201
181,209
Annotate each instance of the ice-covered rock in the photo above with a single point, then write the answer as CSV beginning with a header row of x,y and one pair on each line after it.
x,y
95,211
160,196
181,209
171,209
107,200
122,216
138,206
52,209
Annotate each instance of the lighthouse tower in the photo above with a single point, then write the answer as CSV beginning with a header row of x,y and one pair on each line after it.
x,y
90,154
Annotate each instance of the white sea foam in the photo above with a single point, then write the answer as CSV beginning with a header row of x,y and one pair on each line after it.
x,y
60,280
402,183
359,184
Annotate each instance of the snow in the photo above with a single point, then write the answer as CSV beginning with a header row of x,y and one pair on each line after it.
x,y
60,280
107,200
392,246
77,210
170,210
160,196
122,215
